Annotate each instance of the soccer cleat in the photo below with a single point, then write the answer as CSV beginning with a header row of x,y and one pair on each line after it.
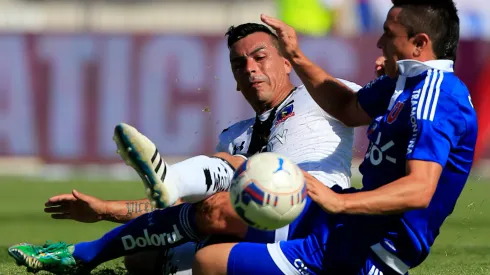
x,y
56,257
141,153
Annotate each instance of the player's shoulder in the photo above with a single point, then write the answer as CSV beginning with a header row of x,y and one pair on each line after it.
x,y
452,84
456,94
448,89
445,98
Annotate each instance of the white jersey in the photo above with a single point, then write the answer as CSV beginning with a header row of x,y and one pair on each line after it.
x,y
304,133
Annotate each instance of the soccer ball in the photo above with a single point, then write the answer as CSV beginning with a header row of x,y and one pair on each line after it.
x,y
268,191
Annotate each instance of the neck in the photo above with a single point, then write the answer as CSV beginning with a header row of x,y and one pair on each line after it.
x,y
263,107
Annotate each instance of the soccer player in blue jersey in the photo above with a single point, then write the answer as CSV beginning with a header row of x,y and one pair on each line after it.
x,y
422,132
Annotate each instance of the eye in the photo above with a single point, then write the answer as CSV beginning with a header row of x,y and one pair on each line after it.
x,y
238,64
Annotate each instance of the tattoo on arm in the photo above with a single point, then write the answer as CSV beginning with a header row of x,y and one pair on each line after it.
x,y
138,208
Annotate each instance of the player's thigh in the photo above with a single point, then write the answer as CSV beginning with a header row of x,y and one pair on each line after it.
x,y
233,258
212,259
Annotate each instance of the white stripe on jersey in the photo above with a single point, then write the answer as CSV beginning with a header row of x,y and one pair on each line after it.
x,y
422,95
438,89
375,271
428,99
430,92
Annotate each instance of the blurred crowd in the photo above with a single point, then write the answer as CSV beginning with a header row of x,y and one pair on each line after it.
x,y
352,17
312,17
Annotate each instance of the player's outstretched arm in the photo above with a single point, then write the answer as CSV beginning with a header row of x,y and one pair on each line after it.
x,y
89,209
329,93
413,191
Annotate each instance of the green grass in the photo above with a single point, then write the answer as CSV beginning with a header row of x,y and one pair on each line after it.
x,y
463,246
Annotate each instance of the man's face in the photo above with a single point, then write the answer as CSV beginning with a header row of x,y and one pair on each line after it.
x,y
259,70
394,42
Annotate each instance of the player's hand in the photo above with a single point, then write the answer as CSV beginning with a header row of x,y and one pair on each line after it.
x,y
379,68
288,41
330,201
76,206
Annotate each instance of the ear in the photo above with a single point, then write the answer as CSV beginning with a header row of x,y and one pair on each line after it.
x,y
421,42
287,66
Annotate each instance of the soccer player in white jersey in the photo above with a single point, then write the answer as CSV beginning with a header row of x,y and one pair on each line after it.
x,y
288,122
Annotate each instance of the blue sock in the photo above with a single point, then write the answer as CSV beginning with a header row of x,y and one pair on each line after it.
x,y
164,228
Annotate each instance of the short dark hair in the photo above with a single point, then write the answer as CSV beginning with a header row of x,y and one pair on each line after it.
x,y
437,18
236,33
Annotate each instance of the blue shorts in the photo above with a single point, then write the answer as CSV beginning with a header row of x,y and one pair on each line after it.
x,y
283,258
318,243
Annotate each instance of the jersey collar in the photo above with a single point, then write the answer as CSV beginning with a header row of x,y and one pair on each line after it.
x,y
411,68
265,115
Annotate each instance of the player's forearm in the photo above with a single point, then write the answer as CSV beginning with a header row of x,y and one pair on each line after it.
x,y
397,197
329,93
125,210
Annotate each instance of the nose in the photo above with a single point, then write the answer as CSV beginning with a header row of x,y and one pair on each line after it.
x,y
251,66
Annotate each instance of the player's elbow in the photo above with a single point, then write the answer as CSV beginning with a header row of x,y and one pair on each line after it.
x,y
421,195
421,202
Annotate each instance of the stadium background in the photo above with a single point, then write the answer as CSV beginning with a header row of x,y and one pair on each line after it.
x,y
71,70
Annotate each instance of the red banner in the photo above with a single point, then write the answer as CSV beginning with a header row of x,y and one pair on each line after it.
x,y
62,95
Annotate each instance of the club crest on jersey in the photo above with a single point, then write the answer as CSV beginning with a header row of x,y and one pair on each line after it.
x,y
393,115
285,113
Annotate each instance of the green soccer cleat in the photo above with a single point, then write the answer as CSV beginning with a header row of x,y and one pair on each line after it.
x,y
56,257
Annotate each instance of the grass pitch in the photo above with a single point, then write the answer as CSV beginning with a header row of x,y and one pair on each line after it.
x,y
463,246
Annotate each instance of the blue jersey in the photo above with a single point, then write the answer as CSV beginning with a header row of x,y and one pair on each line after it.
x,y
425,114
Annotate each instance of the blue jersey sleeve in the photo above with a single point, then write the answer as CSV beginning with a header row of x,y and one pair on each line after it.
x,y
437,124
374,98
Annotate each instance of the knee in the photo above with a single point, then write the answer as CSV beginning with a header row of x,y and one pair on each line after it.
x,y
216,215
235,161
199,264
203,263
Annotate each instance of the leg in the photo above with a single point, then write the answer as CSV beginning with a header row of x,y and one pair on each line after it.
x,y
165,228
193,179
212,260
290,257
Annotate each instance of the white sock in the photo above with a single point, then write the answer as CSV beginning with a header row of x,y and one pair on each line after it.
x,y
201,177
